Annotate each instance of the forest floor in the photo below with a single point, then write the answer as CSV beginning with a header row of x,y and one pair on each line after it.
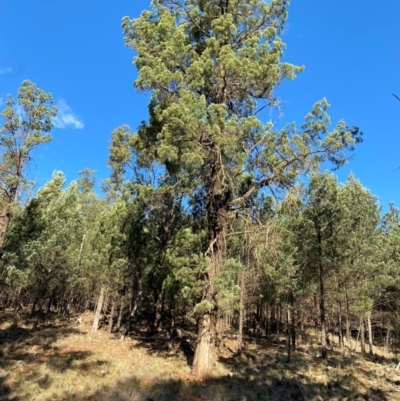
x,y
63,361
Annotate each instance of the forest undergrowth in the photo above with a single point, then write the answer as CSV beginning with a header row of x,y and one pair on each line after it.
x,y
61,360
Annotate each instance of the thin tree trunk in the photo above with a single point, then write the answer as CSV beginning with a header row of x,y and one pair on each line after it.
x,y
358,336
348,334
120,314
133,313
293,322
370,339
105,303
278,314
98,309
300,326
240,331
340,326
220,332
33,308
387,338
288,333
158,311
49,305
111,322
316,318
80,251
324,350
362,335
87,303
16,315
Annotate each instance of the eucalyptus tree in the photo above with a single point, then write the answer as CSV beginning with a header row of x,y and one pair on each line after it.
x,y
212,67
26,124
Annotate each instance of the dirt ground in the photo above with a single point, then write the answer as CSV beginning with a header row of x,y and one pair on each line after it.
x,y
64,361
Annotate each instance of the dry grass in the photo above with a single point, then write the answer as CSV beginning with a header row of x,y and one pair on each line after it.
x,y
60,361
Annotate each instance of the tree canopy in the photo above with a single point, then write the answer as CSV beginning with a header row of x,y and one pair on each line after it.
x,y
215,218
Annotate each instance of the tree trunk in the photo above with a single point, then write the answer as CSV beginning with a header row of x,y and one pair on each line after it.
x,y
220,332
288,334
348,334
300,326
5,218
111,322
120,314
321,274
240,331
293,322
17,307
158,312
80,251
370,339
362,335
204,356
316,318
49,305
217,205
358,336
278,333
218,197
133,313
324,351
5,215
267,321
105,303
33,307
98,309
340,326
387,338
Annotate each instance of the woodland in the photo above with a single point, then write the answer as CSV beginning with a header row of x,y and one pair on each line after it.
x,y
217,229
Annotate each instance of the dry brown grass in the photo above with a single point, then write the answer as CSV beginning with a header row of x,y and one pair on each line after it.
x,y
61,361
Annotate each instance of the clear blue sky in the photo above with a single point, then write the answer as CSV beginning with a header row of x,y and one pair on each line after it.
x,y
75,49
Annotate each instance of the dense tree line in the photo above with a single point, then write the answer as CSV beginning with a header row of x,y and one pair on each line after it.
x,y
205,218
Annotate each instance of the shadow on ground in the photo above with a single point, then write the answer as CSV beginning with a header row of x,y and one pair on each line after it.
x,y
223,389
260,372
23,351
167,345
251,376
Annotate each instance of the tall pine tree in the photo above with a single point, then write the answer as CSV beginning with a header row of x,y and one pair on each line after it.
x,y
211,67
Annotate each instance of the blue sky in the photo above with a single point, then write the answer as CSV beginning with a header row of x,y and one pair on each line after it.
x,y
75,49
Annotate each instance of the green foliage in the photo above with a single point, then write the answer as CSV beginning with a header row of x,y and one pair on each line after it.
x,y
41,250
362,305
211,69
87,180
210,73
205,306
108,258
27,123
228,290
190,214
187,265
